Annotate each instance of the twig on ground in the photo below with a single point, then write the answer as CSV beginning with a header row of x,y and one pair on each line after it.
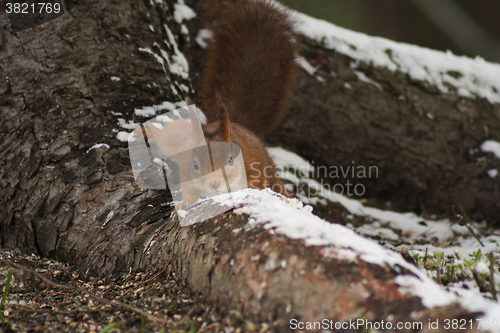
x,y
465,221
160,272
492,278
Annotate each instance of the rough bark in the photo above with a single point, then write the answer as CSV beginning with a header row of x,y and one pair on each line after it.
x,y
57,97
60,200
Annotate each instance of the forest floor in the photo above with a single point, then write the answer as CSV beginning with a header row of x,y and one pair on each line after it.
x,y
48,296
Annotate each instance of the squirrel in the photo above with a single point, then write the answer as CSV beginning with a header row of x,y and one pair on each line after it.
x,y
247,81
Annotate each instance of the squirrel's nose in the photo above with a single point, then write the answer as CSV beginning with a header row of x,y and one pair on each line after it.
x,y
215,184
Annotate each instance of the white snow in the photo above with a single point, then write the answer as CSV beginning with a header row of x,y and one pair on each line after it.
x,y
176,63
285,158
482,268
149,111
302,62
431,293
470,77
291,218
491,147
179,64
466,245
184,87
362,77
123,136
294,219
410,225
375,229
203,37
492,173
99,145
183,12
157,57
182,213
127,124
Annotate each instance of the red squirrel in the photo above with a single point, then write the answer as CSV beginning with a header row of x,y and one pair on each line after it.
x,y
247,82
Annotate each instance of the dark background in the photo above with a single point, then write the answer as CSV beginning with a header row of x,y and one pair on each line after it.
x,y
465,27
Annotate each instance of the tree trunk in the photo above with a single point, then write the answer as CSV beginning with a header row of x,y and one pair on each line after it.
x,y
62,85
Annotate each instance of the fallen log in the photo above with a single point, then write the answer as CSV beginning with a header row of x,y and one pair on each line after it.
x,y
271,259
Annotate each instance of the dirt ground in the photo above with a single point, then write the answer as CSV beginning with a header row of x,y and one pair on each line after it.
x,y
48,296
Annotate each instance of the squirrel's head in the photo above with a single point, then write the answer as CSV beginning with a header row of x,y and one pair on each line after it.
x,y
220,168
228,169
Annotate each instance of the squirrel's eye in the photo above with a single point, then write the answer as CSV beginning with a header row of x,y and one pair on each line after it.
x,y
231,161
195,165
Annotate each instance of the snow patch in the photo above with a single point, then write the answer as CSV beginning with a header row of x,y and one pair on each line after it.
x,y
179,64
291,218
427,290
183,12
469,77
99,145
128,125
150,111
362,77
285,158
203,37
491,147
410,225
123,136
302,62
157,57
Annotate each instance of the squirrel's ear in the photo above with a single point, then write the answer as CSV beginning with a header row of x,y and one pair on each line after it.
x,y
225,128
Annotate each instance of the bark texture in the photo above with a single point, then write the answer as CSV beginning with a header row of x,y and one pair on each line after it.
x,y
60,97
58,87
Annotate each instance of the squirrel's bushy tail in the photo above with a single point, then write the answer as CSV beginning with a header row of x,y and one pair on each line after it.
x,y
250,63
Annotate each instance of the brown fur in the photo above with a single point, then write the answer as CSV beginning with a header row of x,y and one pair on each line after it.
x,y
250,63
248,78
